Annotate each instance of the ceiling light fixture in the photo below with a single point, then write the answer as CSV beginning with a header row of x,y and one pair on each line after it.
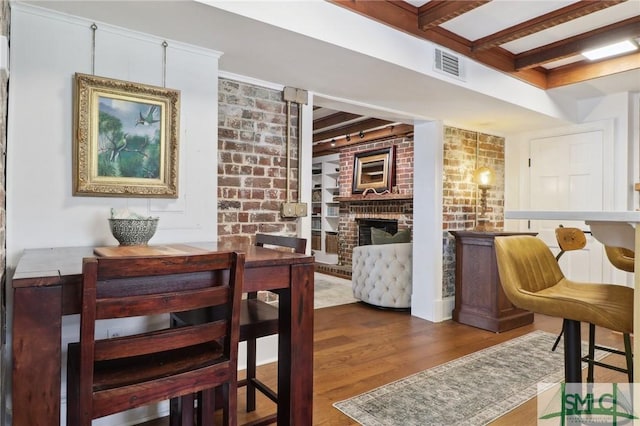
x,y
333,142
610,50
361,134
348,138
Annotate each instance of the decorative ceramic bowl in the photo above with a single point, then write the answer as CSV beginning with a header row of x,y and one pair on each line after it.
x,y
133,232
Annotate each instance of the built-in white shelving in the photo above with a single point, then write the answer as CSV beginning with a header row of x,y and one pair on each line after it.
x,y
325,210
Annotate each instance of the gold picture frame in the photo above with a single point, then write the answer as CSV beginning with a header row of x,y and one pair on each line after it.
x,y
126,139
373,170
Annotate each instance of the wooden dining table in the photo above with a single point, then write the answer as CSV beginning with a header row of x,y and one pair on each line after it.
x,y
46,287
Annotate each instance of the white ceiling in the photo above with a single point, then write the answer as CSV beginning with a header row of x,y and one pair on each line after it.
x,y
255,49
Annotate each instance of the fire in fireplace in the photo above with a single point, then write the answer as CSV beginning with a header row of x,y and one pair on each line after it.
x,y
365,225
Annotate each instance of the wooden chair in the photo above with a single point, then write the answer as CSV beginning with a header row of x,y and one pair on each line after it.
x,y
260,319
257,319
106,376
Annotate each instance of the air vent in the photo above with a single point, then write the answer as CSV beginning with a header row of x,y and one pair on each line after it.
x,y
448,63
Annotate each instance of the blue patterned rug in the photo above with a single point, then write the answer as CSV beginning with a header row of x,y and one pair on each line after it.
x,y
473,390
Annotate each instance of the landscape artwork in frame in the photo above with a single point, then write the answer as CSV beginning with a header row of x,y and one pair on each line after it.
x,y
126,139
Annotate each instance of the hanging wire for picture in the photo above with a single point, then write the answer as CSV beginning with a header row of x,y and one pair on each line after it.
x,y
164,63
94,27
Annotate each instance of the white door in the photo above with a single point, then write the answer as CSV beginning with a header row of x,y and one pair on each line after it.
x,y
566,174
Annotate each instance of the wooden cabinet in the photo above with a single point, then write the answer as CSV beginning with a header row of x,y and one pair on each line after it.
x,y
479,299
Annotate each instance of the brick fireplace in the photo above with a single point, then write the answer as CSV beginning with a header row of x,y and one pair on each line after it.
x,y
398,208
395,206
365,224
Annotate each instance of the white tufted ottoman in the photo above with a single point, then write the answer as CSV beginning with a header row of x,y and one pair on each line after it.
x,y
381,274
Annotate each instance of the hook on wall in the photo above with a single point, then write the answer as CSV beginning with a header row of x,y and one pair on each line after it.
x,y
93,27
164,63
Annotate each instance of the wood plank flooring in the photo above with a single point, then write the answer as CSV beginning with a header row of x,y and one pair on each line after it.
x,y
358,348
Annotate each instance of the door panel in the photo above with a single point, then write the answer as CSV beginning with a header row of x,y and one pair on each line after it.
x,y
566,174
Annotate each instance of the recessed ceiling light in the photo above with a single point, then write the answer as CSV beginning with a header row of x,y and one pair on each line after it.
x,y
610,50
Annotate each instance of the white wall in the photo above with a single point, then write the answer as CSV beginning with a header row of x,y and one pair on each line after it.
x,y
617,117
426,299
47,49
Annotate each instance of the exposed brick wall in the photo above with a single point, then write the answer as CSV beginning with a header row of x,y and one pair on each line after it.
x,y
252,154
403,164
464,151
401,210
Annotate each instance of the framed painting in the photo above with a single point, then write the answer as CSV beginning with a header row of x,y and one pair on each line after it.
x,y
126,139
373,170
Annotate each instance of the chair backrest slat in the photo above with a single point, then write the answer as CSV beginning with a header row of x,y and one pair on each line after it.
x,y
151,304
124,267
161,340
299,245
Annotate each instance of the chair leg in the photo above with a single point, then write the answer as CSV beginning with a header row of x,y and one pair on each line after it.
x,y
206,407
174,412
628,351
251,374
592,353
572,352
230,407
187,414
555,345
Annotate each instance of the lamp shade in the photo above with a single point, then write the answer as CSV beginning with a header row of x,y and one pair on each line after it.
x,y
484,176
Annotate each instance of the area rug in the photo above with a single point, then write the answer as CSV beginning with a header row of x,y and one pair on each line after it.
x,y
473,390
331,291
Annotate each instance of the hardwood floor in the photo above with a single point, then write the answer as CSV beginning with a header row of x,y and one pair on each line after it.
x,y
358,348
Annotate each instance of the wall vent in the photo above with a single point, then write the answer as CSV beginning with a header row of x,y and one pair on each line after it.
x,y
449,64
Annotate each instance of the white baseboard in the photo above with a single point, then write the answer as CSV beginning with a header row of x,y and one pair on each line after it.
x,y
442,310
445,307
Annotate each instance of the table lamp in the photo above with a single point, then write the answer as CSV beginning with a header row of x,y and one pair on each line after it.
x,y
484,177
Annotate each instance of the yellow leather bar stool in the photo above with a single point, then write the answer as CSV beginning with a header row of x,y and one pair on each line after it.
x,y
569,239
621,258
532,280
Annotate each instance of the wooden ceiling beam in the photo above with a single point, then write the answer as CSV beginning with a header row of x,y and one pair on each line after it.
x,y
388,132
387,12
543,22
583,71
629,28
333,119
497,58
352,129
437,12
404,17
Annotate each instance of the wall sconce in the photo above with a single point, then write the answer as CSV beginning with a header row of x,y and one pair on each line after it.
x,y
484,177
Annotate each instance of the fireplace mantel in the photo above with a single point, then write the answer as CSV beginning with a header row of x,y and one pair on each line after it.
x,y
374,198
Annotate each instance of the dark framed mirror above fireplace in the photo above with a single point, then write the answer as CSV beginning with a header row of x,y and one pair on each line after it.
x,y
373,170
